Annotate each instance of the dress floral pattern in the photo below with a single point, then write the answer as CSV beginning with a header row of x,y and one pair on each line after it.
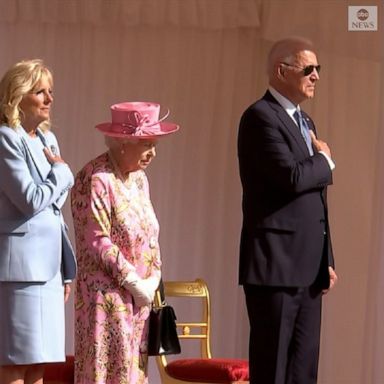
x,y
116,232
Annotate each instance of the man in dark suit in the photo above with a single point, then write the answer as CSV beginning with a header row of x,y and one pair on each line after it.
x,y
286,260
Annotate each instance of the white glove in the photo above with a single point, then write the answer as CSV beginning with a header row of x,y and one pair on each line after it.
x,y
142,290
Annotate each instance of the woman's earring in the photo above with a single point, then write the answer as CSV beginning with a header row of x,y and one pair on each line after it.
x,y
122,150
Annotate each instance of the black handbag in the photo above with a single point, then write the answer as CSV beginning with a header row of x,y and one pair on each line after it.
x,y
162,337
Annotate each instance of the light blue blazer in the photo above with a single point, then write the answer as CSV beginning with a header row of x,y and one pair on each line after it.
x,y
33,246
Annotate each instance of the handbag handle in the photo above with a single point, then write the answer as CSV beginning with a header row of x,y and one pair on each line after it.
x,y
160,295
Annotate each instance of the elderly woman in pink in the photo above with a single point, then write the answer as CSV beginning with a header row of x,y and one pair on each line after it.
x,y
117,248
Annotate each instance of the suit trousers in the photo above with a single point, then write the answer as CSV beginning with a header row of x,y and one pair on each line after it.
x,y
284,333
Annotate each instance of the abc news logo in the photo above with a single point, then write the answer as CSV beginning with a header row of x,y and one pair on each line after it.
x,y
362,18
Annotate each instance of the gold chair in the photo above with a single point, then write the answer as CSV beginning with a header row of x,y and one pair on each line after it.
x,y
204,369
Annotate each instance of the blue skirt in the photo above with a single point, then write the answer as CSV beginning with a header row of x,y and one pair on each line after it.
x,y
32,326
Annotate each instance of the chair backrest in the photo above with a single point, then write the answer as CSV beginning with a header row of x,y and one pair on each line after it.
x,y
199,329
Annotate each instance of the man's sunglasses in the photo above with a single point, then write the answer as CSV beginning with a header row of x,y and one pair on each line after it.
x,y
306,70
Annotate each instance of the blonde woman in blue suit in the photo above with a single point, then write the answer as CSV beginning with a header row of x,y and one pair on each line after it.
x,y
36,259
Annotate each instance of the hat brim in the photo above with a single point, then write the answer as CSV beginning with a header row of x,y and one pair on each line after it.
x,y
165,129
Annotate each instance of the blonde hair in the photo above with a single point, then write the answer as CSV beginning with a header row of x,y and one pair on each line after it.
x,y
20,79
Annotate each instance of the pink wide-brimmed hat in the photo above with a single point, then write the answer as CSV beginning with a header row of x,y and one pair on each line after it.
x,y
138,119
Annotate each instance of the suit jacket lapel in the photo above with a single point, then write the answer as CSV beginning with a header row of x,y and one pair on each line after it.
x,y
288,123
24,140
24,137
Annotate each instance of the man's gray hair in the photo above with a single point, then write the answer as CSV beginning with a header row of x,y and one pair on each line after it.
x,y
285,49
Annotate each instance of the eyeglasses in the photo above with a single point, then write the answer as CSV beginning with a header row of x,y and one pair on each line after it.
x,y
307,70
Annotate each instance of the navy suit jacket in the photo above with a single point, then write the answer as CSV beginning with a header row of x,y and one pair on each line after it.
x,y
285,238
33,246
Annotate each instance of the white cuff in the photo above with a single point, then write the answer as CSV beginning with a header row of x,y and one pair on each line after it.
x,y
331,164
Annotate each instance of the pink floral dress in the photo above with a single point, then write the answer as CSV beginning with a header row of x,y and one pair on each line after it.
x,y
116,232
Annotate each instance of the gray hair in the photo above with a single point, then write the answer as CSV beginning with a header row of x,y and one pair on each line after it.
x,y
284,50
114,142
